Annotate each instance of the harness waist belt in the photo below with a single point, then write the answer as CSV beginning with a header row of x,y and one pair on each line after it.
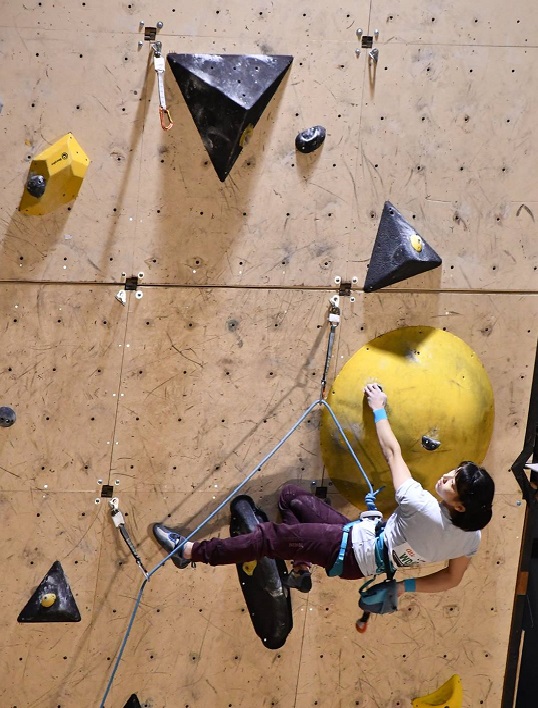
x,y
338,567
382,560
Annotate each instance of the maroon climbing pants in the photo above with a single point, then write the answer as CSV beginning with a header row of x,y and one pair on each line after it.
x,y
311,532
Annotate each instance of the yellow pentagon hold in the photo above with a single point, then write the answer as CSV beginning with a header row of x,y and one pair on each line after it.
x,y
440,407
449,695
249,567
416,242
62,166
48,600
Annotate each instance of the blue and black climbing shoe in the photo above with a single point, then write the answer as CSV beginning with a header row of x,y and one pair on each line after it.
x,y
169,539
301,580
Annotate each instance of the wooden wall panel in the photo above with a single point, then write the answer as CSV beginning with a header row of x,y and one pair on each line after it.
x,y
461,172
494,24
159,492
199,231
217,373
235,19
331,646
189,386
91,238
61,361
191,630
38,529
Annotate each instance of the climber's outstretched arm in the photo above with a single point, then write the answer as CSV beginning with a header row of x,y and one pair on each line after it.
x,y
390,446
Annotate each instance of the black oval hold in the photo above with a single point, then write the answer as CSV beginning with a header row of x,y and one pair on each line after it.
x,y
36,185
7,417
430,443
310,139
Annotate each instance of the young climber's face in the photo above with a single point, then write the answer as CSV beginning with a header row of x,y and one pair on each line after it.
x,y
447,490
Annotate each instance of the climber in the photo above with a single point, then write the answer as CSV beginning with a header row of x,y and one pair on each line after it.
x,y
420,530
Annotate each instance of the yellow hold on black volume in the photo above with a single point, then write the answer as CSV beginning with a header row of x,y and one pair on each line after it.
x,y
55,177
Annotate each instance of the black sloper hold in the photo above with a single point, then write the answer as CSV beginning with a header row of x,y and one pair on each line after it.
x,y
7,416
310,139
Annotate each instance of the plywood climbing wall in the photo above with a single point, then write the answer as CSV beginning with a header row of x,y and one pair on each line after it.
x,y
173,397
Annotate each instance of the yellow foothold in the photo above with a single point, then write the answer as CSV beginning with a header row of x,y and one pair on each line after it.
x,y
48,600
249,567
417,242
449,695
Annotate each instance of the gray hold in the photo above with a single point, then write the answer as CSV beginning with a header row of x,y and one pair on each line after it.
x,y
36,185
310,139
430,443
7,417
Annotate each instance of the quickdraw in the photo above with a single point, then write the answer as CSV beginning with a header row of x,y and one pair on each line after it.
x,y
159,66
119,523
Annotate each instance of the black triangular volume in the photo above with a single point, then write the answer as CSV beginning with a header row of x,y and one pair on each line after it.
x,y
226,95
133,702
398,252
53,589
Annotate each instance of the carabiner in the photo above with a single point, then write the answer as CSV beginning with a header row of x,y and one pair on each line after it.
x,y
166,118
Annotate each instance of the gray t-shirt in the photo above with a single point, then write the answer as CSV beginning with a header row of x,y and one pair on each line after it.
x,y
419,531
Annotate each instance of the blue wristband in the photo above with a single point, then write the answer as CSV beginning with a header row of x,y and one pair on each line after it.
x,y
380,414
410,585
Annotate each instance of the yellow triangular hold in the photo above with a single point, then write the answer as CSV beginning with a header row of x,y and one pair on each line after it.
x,y
449,695
55,176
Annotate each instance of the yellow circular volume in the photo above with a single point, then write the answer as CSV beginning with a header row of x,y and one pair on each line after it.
x,y
440,407
48,600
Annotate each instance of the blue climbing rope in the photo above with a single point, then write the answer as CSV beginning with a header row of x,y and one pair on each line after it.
x,y
369,498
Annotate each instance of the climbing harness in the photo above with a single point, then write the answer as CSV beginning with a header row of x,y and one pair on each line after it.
x,y
370,513
158,64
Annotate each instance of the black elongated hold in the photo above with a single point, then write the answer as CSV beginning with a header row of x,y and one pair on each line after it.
x,y
268,599
36,185
7,417
430,443
310,139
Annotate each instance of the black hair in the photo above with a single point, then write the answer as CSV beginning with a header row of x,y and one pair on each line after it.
x,y
475,489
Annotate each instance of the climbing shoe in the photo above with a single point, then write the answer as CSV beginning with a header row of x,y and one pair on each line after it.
x,y
301,580
169,539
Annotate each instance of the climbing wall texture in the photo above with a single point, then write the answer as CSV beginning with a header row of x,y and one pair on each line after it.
x,y
169,399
